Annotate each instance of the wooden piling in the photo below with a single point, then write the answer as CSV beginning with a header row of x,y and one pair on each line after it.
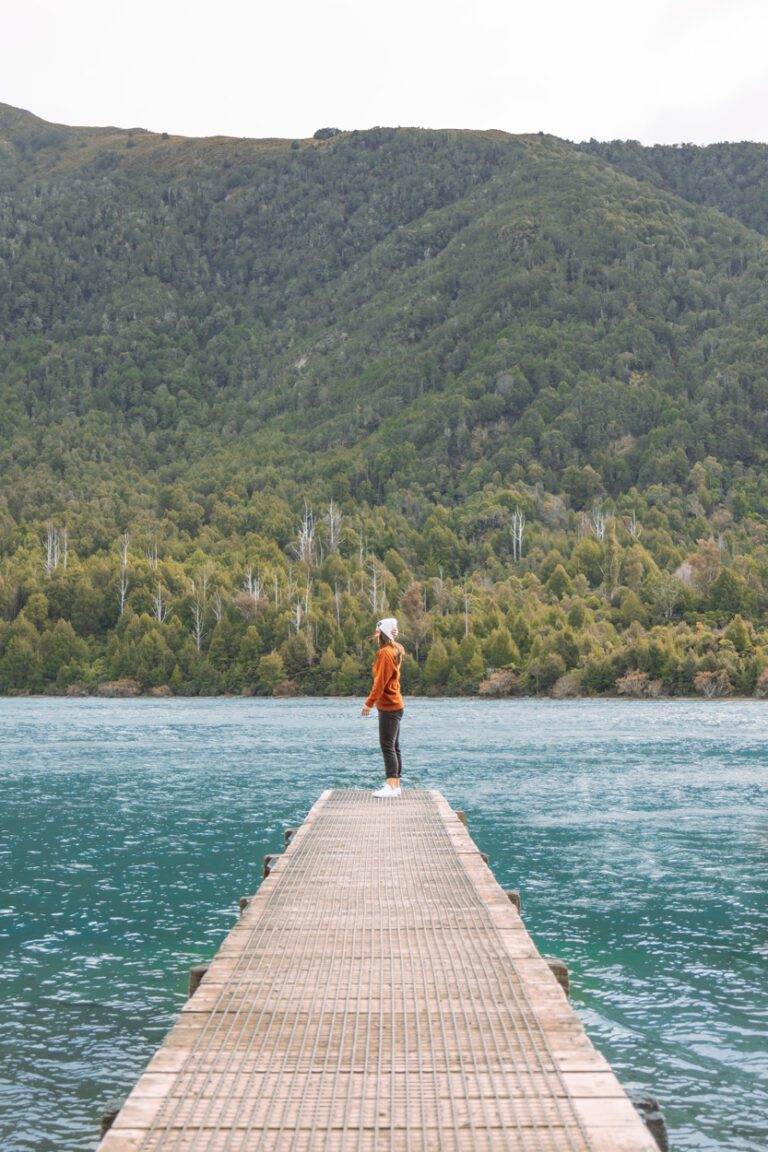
x,y
559,970
515,898
195,977
109,1115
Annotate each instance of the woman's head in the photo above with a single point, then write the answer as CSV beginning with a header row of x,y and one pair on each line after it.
x,y
386,630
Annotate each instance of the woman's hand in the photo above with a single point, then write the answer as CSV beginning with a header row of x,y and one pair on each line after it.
x,y
365,711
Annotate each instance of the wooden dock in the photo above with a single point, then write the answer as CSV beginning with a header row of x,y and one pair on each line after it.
x,y
379,992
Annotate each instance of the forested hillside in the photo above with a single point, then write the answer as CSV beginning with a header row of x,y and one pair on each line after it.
x,y
255,393
730,177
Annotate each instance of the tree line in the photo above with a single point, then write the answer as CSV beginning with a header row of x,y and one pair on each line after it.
x,y
605,602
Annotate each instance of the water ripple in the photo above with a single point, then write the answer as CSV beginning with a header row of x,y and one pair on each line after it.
x,y
638,833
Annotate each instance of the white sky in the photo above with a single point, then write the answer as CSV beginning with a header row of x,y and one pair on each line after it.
x,y
652,70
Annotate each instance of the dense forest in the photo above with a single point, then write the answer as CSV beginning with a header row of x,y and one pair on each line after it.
x,y
255,393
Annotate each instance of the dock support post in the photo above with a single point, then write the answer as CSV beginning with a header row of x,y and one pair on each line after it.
x,y
515,898
109,1115
195,976
462,816
650,1113
269,862
243,903
289,834
559,970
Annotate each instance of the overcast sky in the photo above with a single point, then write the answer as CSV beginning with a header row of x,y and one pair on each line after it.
x,y
652,70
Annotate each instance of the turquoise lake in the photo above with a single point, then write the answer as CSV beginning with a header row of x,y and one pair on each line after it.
x,y
637,833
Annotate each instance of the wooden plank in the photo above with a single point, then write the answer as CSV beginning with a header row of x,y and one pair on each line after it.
x,y
380,991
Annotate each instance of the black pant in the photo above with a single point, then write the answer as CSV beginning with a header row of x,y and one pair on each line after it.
x,y
389,738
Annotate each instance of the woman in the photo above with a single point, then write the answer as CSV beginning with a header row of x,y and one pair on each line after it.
x,y
385,695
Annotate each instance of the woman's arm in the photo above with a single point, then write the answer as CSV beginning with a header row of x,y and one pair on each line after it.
x,y
379,679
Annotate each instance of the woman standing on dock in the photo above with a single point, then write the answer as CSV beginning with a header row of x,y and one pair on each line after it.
x,y
385,695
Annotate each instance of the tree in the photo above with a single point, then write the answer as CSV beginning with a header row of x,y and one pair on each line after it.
x,y
587,557
271,672
500,649
711,684
729,593
632,609
544,670
36,609
20,667
518,530
124,583
666,593
705,565
59,647
298,654
437,665
739,634
155,660
350,677
559,583
249,653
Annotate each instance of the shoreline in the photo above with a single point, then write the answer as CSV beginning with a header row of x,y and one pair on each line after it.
x,y
475,697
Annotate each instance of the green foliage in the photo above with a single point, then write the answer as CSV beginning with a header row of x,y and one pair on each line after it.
x,y
500,648
271,672
437,665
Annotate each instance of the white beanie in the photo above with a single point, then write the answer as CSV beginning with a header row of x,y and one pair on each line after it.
x,y
388,625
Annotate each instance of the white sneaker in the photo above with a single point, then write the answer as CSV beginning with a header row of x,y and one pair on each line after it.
x,y
385,791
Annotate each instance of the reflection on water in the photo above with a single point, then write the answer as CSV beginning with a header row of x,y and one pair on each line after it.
x,y
636,831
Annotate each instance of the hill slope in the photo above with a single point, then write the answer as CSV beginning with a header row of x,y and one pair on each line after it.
x,y
429,328
731,177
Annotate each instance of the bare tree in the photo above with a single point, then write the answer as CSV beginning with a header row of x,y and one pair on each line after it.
x,y
666,593
440,590
217,606
712,684
298,613
304,548
291,583
253,585
518,528
52,549
151,553
633,525
373,591
466,612
159,604
204,579
598,521
610,565
332,521
64,547
376,593
125,540
337,604
198,616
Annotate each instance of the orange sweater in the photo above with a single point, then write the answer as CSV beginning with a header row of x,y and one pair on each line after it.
x,y
385,693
